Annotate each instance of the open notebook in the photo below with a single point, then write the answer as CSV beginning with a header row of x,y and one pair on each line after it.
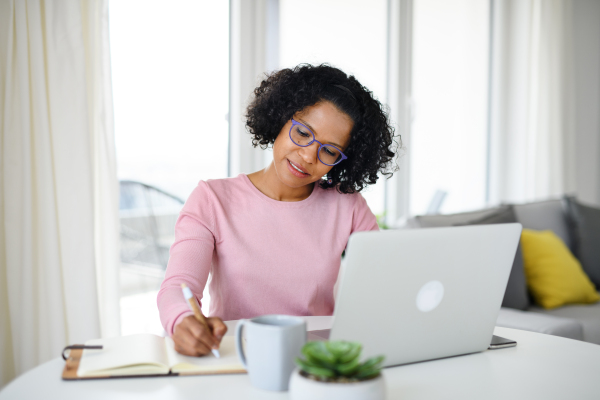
x,y
147,355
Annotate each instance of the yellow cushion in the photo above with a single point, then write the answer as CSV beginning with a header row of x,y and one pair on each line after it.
x,y
554,275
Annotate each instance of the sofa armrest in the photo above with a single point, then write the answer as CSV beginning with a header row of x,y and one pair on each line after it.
x,y
535,322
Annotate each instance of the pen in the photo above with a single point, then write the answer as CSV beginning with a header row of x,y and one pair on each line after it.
x,y
187,293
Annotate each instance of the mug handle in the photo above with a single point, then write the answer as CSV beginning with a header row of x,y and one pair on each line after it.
x,y
238,342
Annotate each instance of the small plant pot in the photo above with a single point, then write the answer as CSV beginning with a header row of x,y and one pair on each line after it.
x,y
302,388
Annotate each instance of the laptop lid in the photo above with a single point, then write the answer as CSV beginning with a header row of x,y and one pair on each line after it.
x,y
422,294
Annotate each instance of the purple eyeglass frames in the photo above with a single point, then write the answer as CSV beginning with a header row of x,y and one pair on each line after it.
x,y
327,154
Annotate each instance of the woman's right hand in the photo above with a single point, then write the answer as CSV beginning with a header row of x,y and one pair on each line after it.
x,y
193,339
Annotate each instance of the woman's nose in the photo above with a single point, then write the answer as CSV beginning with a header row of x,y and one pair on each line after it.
x,y
309,153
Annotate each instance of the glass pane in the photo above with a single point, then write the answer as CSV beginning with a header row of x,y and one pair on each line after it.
x,y
170,72
450,77
316,31
170,67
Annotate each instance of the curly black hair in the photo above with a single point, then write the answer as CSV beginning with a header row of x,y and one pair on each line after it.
x,y
283,93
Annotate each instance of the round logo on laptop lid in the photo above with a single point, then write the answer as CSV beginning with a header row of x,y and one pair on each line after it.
x,y
430,296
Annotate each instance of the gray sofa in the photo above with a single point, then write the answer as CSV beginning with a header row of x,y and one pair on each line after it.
x,y
578,226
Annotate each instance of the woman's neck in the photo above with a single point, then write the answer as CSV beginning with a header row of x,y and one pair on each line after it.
x,y
269,184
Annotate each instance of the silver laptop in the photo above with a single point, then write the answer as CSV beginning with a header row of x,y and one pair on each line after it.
x,y
423,294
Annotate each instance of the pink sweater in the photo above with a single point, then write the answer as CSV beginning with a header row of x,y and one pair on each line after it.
x,y
265,256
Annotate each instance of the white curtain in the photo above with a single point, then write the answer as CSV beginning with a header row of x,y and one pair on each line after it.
x,y
58,186
532,115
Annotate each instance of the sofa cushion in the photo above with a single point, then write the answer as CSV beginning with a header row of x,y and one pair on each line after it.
x,y
434,221
516,295
554,275
537,322
585,227
545,215
587,315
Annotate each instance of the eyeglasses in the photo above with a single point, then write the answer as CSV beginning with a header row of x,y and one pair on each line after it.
x,y
304,137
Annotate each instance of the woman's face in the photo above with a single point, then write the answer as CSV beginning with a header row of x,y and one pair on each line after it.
x,y
299,166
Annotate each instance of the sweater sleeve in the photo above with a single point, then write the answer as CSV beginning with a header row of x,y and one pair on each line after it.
x,y
190,257
363,218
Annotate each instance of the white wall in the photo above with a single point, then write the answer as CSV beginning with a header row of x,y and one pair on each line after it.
x,y
586,39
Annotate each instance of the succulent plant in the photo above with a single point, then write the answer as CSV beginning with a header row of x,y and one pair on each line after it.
x,y
337,361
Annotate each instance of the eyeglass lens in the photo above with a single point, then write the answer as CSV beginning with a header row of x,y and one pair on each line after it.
x,y
327,154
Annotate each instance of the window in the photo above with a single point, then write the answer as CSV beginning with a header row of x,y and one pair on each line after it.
x,y
170,65
170,72
450,90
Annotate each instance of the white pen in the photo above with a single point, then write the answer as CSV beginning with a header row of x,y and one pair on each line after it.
x,y
187,293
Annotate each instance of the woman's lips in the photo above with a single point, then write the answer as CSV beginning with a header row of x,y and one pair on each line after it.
x,y
295,171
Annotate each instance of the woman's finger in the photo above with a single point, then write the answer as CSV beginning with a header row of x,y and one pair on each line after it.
x,y
186,343
190,351
218,327
200,332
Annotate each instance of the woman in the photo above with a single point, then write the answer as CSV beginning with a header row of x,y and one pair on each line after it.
x,y
272,240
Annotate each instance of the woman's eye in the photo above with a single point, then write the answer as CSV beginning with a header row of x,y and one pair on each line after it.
x,y
329,152
303,134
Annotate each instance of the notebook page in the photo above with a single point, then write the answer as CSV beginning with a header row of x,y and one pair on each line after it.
x,y
125,355
209,364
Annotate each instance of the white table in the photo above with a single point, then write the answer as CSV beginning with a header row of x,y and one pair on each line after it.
x,y
540,367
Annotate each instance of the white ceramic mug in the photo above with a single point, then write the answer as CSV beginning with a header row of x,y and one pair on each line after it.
x,y
272,343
